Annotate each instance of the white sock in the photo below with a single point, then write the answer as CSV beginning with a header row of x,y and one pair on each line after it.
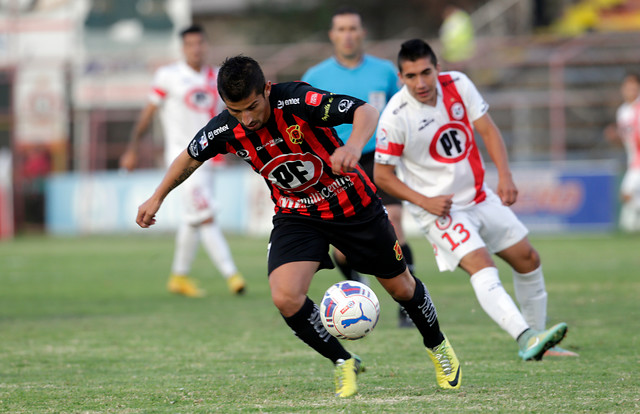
x,y
187,241
532,297
217,248
496,302
629,217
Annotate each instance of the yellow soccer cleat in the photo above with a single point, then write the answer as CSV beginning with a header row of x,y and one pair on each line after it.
x,y
448,370
236,284
345,376
183,285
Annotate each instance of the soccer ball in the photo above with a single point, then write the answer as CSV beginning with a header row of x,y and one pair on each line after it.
x,y
349,310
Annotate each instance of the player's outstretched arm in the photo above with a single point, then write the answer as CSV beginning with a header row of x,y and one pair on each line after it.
x,y
494,143
345,158
129,159
386,179
179,170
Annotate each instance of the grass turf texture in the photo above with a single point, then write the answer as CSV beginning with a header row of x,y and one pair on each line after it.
x,y
86,325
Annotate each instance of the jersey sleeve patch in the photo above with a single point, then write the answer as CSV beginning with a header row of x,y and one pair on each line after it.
x,y
313,98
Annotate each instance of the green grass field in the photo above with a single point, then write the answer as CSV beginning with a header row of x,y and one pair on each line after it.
x,y
87,326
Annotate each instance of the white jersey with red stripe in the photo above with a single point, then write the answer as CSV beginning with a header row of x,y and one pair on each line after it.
x,y
433,147
187,100
628,120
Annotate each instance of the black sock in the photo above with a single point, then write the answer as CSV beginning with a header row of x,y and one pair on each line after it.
x,y
423,314
307,326
347,272
408,257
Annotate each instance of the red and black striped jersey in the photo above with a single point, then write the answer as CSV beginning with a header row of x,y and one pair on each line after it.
x,y
291,151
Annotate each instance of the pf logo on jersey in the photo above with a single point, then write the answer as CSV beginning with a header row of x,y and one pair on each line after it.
x,y
200,100
451,143
293,172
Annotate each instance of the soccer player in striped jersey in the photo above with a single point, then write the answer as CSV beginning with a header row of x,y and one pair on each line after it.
x,y
426,136
322,197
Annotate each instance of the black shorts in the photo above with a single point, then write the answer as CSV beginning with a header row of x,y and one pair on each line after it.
x,y
367,161
367,240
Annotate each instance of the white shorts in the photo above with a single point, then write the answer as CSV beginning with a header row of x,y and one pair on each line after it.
x,y
631,185
487,224
196,194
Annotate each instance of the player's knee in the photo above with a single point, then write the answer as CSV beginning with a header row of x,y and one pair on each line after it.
x,y
287,304
531,259
529,262
404,294
401,287
206,221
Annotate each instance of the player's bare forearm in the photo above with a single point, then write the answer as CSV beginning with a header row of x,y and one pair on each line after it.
x,y
493,141
386,179
365,120
179,170
142,125
129,159
497,150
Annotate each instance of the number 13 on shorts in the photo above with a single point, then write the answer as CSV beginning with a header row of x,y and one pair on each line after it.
x,y
452,239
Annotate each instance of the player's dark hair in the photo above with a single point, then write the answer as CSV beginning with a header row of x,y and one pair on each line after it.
x,y
340,11
239,77
633,75
415,49
345,10
194,28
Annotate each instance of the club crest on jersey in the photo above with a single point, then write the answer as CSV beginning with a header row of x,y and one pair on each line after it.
x,y
451,143
443,223
204,142
295,134
398,250
457,111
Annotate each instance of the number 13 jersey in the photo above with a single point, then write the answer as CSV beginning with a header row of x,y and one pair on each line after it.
x,y
433,147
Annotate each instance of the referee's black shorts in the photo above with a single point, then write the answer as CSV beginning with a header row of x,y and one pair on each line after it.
x,y
367,240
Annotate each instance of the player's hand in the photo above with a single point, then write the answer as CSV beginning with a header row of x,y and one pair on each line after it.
x,y
147,213
507,191
129,160
439,205
344,159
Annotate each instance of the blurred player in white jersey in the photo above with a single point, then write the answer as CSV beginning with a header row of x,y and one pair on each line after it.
x,y
627,130
426,134
186,96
